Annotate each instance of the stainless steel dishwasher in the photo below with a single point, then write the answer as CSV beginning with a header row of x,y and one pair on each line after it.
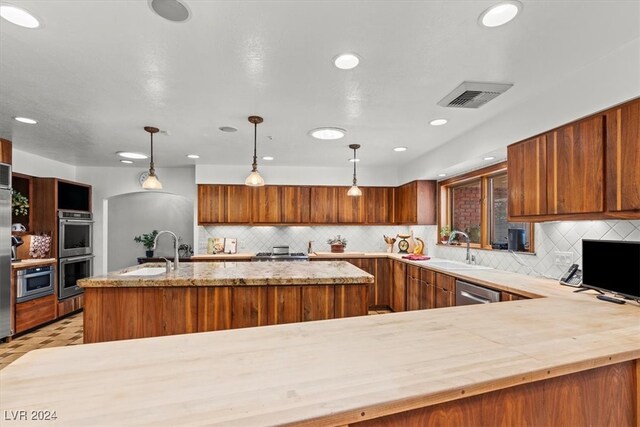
x,y
467,294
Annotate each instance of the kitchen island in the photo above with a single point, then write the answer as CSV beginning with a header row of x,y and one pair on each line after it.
x,y
145,301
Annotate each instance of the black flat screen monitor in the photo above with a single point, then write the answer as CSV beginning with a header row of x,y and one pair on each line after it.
x,y
612,266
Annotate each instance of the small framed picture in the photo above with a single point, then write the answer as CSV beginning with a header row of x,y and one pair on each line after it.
x,y
215,245
230,245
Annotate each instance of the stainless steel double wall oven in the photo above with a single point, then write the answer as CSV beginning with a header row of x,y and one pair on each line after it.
x,y
75,251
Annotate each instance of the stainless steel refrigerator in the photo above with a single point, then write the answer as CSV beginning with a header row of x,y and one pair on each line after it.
x,y
5,250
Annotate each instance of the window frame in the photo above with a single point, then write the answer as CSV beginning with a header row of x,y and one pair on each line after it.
x,y
445,214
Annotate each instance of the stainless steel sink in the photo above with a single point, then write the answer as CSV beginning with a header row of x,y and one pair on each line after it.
x,y
453,265
146,271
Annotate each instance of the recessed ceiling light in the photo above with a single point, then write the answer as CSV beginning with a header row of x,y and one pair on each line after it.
x,y
171,10
441,175
438,122
227,129
346,61
126,161
25,120
18,16
400,149
193,156
489,158
267,158
500,13
327,133
354,160
130,155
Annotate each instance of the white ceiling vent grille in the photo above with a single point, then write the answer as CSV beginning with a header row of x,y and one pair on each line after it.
x,y
473,94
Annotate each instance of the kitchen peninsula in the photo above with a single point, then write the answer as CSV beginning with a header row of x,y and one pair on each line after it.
x,y
145,301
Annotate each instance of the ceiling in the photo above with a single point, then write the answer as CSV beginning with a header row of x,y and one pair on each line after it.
x,y
97,72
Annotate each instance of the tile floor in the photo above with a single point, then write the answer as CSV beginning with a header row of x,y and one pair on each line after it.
x,y
67,331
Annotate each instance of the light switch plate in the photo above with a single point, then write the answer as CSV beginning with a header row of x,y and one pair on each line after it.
x,y
563,258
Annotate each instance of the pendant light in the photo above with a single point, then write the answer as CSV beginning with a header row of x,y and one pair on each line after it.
x,y
254,179
354,190
151,183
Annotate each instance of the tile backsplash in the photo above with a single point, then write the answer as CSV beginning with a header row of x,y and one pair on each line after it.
x,y
550,237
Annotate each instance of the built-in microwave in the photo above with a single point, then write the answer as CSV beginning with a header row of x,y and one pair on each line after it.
x,y
32,283
75,233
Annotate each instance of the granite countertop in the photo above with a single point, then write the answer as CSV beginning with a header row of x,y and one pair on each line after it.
x,y
32,262
237,274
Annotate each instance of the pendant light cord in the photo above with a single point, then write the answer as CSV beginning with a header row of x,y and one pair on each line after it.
x,y
255,149
151,166
354,166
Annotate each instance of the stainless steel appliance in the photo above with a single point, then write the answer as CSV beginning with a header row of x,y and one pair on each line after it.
x,y
468,294
70,271
280,253
34,283
75,231
5,250
16,241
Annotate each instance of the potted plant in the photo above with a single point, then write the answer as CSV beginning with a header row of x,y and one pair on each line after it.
x,y
337,244
445,231
147,241
19,203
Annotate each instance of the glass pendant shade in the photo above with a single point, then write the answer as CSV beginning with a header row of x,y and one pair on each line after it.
x,y
152,183
354,191
254,179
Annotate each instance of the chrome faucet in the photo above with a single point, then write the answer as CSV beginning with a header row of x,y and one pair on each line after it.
x,y
176,263
466,236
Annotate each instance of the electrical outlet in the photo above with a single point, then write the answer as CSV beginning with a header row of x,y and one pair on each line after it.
x,y
563,258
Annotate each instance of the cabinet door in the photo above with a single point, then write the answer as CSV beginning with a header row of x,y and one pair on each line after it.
x,y
575,165
398,286
266,205
379,205
5,151
444,290
383,282
324,205
405,204
237,204
413,288
295,204
623,159
527,177
211,203
350,208
368,265
427,295
507,296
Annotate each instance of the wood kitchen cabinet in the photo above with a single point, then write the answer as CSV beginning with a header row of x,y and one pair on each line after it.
x,y
296,204
219,204
414,289
575,167
379,205
368,265
35,312
351,210
444,290
415,203
266,204
383,289
527,178
508,296
623,160
324,205
6,153
398,285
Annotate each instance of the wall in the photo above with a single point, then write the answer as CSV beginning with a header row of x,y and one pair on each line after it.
x,y
112,181
550,237
359,238
32,164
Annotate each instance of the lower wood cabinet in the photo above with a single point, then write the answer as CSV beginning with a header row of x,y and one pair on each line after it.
x,y
70,305
35,312
398,286
507,296
444,288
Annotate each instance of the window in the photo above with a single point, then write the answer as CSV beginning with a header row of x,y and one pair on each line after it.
x,y
476,203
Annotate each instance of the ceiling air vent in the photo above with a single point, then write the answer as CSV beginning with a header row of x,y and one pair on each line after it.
x,y
473,94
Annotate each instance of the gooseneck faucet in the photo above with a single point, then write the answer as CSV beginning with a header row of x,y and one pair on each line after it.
x,y
466,236
176,262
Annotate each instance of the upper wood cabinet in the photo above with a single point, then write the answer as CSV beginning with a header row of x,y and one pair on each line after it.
x,y
223,204
415,203
575,166
527,177
6,153
295,204
350,209
379,204
266,204
623,160
324,205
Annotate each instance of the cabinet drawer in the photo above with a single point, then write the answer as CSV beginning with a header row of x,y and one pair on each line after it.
x,y
33,313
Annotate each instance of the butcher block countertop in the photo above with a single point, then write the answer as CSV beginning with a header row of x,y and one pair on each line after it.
x,y
329,372
32,262
236,274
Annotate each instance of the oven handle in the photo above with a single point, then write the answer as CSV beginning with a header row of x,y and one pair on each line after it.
x,y
79,221
76,258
